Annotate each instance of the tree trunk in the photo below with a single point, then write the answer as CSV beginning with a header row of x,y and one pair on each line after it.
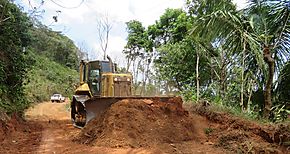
x,y
222,75
136,74
146,75
243,105
250,92
128,63
271,68
197,77
211,71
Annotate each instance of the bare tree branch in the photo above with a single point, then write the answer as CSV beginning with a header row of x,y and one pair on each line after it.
x,y
104,27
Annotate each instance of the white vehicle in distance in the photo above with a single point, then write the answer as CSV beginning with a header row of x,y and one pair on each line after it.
x,y
57,98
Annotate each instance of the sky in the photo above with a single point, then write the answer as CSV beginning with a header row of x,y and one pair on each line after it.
x,y
78,20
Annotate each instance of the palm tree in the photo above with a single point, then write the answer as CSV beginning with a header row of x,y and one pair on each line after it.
x,y
260,31
272,29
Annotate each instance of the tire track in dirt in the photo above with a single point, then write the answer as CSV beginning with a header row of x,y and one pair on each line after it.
x,y
51,116
47,143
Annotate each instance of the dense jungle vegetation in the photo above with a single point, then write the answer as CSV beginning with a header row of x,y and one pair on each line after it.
x,y
238,59
35,61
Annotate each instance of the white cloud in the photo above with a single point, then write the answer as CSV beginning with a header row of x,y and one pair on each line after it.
x,y
240,3
116,46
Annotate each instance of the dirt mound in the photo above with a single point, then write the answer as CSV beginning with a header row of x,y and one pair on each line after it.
x,y
139,123
243,136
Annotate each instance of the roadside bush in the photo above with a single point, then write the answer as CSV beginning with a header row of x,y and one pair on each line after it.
x,y
15,62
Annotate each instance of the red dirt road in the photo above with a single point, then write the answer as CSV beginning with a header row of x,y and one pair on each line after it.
x,y
48,130
58,131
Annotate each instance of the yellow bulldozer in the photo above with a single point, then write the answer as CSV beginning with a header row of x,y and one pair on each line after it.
x,y
100,86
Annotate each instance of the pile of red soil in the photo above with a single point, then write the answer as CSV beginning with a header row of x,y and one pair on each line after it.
x,y
139,123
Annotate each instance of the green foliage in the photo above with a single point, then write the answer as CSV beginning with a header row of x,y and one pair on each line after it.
x,y
214,51
26,75
137,37
54,45
280,113
244,34
189,93
48,77
283,88
171,56
15,61
200,8
208,130
281,108
224,107
172,27
138,44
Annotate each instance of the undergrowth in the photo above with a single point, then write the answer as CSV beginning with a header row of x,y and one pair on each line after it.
x,y
236,111
48,77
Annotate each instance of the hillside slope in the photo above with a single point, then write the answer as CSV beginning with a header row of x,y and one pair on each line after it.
x,y
47,77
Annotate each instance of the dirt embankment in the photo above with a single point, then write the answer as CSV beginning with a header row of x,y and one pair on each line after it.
x,y
18,135
243,136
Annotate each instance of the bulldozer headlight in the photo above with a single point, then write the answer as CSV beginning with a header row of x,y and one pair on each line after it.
x,y
115,79
128,79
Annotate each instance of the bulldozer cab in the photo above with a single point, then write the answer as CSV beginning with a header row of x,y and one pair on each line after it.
x,y
99,79
91,73
94,79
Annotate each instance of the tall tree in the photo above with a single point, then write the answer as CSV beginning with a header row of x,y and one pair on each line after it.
x,y
273,30
172,27
137,51
166,33
264,31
